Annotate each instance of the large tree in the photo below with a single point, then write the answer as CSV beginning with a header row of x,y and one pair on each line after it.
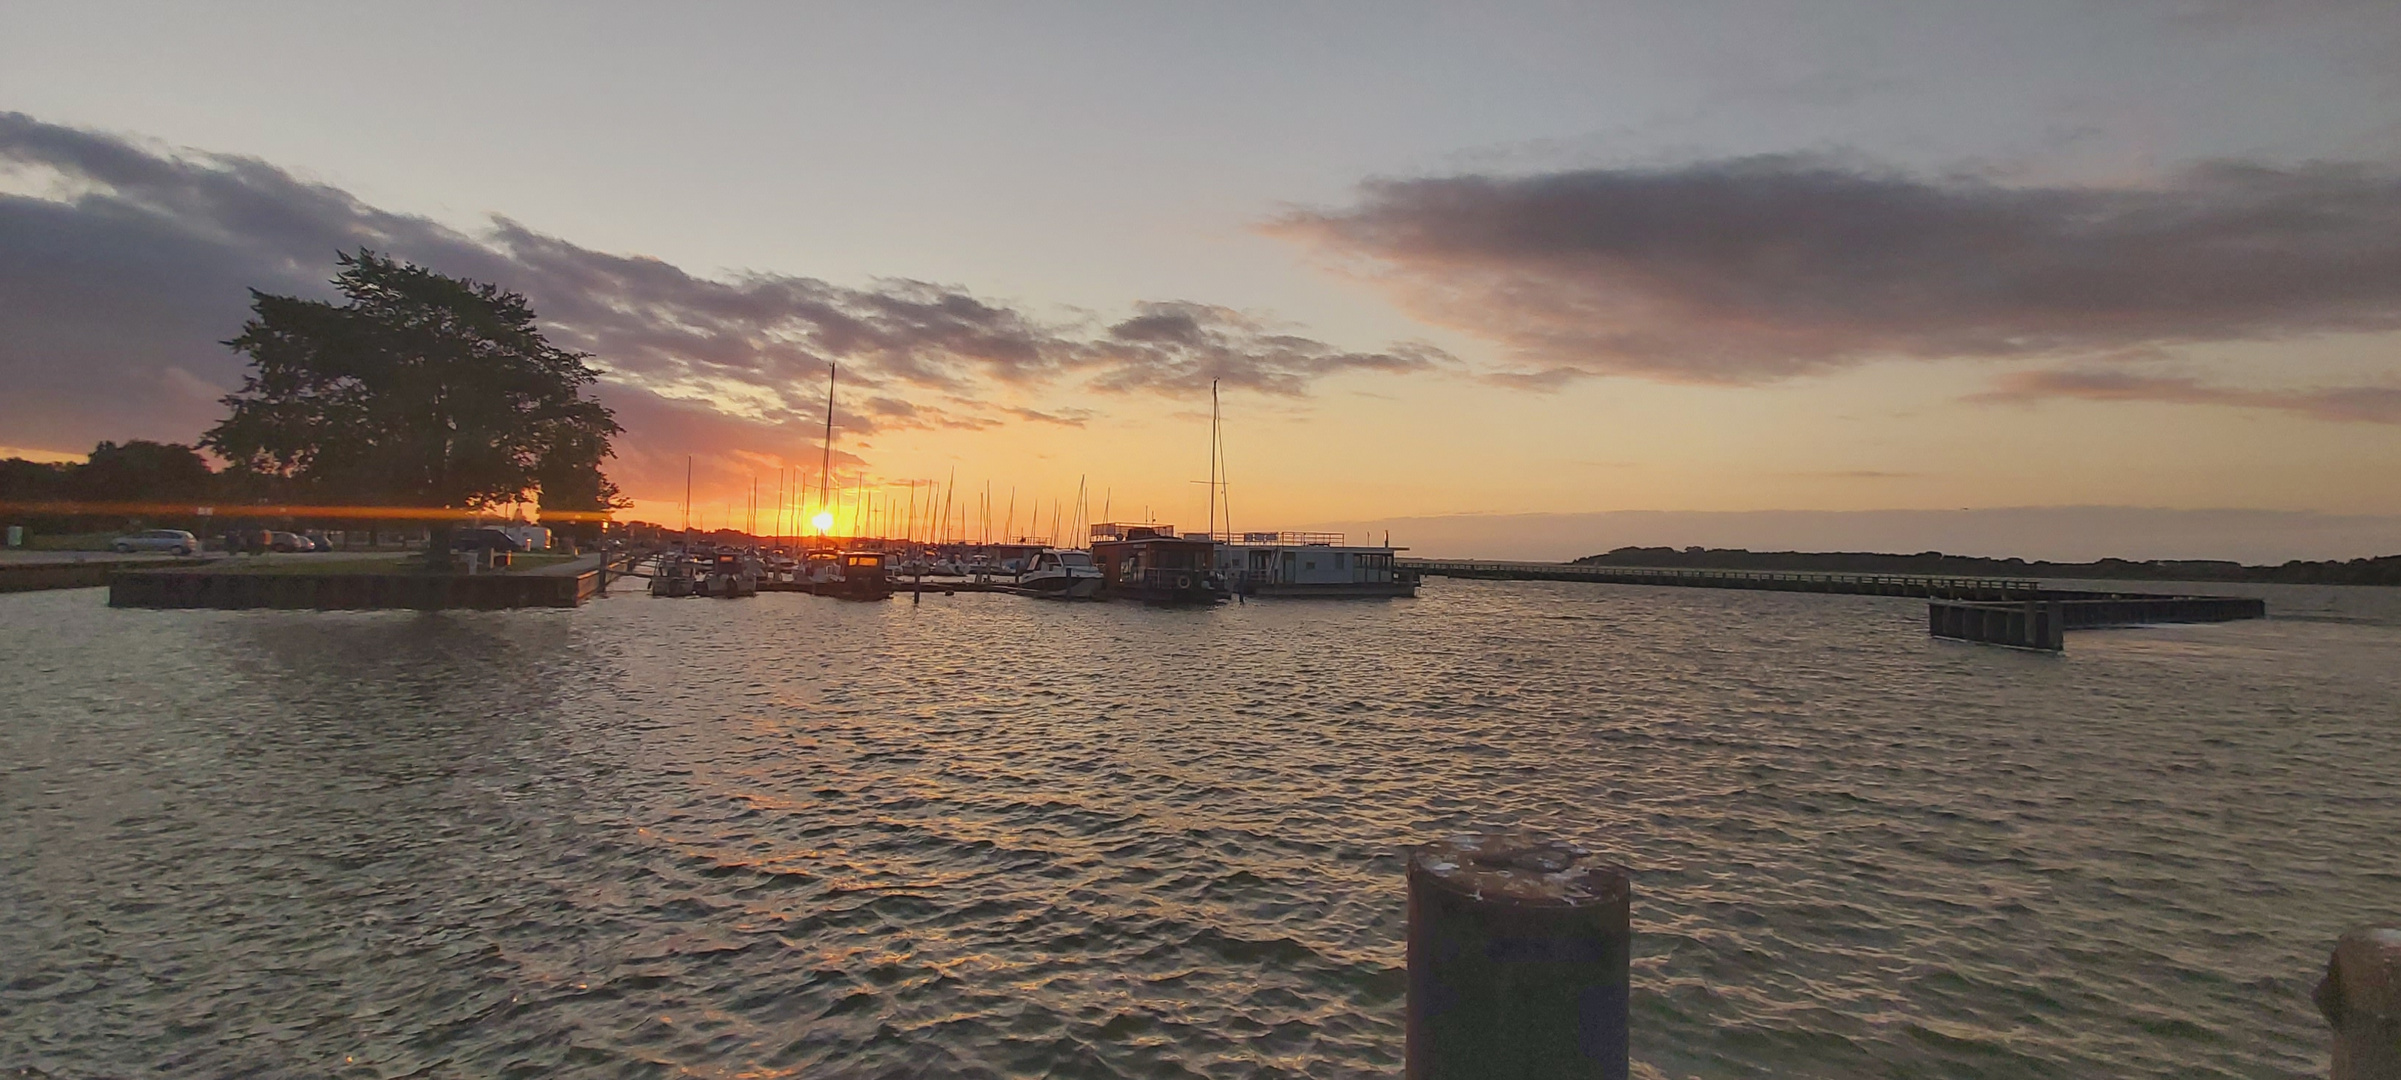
x,y
419,391
140,471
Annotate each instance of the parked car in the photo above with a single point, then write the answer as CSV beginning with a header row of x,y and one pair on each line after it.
x,y
486,539
317,541
175,540
284,541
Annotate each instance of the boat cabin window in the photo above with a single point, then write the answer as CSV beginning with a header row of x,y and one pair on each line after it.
x,y
1075,558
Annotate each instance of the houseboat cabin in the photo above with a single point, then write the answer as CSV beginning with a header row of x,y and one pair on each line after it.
x,y
1308,564
1152,563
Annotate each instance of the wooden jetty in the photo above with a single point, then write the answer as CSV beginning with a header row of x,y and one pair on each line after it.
x,y
1963,588
2015,612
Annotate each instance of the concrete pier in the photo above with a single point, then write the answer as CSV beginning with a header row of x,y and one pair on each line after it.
x,y
2090,610
2041,623
2027,624
33,571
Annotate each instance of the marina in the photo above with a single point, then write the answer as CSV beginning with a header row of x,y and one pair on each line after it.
x,y
1140,563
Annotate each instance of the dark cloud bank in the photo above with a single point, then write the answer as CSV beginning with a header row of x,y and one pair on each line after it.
x,y
1755,269
119,278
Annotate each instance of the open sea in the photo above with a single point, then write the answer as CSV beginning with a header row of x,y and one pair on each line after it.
x,y
985,836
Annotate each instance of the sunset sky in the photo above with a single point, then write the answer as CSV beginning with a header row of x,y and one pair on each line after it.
x,y
1500,268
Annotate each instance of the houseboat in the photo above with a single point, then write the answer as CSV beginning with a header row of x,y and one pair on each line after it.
x,y
1152,564
1302,564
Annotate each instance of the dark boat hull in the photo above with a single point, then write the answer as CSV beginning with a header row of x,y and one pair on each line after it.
x,y
853,590
1166,595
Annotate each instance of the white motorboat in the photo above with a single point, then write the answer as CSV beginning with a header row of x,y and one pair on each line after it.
x,y
1064,573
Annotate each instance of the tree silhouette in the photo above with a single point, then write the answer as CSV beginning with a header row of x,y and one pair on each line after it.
x,y
419,391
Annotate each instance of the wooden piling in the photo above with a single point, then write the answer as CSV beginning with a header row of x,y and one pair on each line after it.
x,y
2361,998
1518,960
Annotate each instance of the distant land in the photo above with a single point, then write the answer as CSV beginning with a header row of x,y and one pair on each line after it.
x,y
2059,534
2378,571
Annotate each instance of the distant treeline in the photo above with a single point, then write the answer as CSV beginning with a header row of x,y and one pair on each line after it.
x,y
145,485
2385,570
171,477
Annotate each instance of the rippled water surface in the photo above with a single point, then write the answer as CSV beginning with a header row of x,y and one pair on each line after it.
x,y
987,836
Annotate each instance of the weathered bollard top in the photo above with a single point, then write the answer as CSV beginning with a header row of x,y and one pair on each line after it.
x,y
2363,978
1521,869
2361,997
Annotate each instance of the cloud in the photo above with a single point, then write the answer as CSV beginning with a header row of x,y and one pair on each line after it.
x,y
2357,404
1180,347
1756,269
1857,474
123,265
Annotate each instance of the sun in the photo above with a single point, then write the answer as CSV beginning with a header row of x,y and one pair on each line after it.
x,y
824,521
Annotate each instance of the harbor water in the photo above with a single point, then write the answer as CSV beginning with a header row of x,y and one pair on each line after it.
x,y
984,836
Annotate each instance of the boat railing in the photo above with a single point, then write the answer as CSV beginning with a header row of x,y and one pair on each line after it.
x,y
1278,539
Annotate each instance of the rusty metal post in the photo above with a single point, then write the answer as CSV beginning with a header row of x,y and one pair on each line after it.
x,y
2361,997
1518,960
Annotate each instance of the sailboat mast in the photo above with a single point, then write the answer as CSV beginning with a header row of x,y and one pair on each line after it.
x,y
1212,458
942,531
825,467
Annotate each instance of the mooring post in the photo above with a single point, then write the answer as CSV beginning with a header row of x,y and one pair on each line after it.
x,y
2361,997
1519,948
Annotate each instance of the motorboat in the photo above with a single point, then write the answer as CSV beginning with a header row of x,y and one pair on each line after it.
x,y
1062,573
731,574
857,575
675,574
